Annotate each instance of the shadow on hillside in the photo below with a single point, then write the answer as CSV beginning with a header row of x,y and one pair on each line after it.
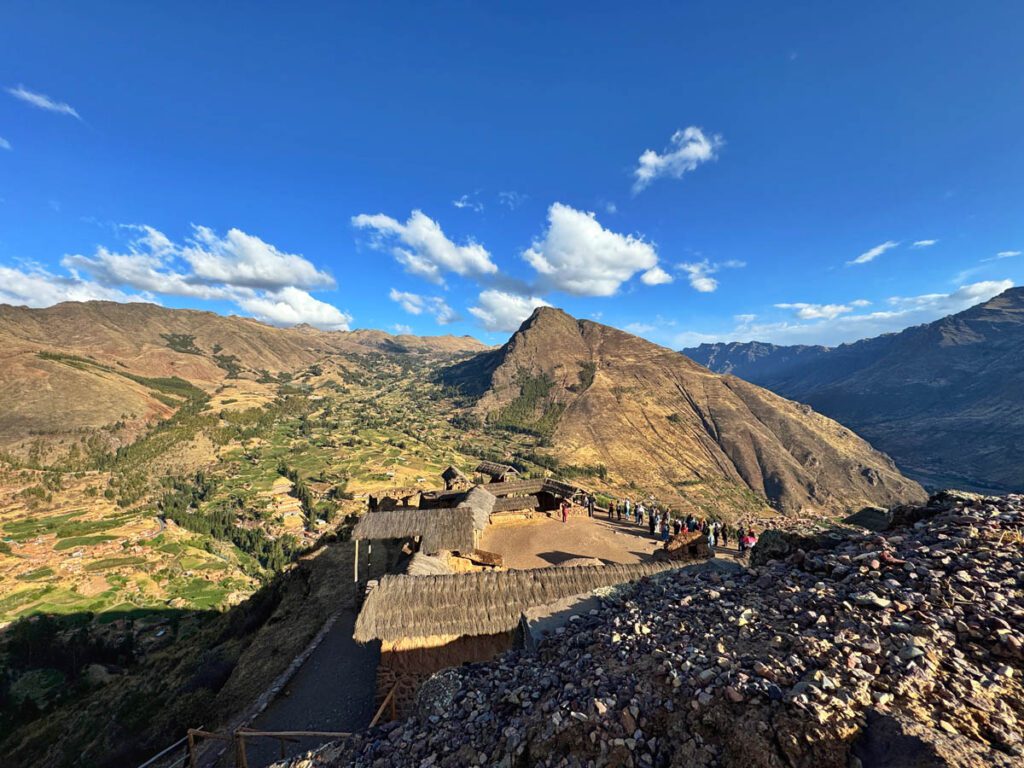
x,y
114,689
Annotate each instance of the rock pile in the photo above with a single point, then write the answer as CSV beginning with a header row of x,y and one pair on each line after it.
x,y
895,648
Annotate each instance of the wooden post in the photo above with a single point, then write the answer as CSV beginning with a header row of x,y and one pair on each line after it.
x,y
241,760
356,561
191,750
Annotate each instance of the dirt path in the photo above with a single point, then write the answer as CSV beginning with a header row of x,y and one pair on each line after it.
x,y
333,691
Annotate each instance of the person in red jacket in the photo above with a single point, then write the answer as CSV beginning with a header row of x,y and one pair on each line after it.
x,y
565,510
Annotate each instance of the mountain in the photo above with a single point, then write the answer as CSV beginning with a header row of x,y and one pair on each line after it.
x,y
77,367
943,399
659,421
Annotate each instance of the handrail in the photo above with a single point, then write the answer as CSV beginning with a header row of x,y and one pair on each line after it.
x,y
239,736
160,754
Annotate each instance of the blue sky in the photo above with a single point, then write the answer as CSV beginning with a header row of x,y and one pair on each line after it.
x,y
792,172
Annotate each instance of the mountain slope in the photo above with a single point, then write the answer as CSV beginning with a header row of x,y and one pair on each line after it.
x,y
657,419
75,367
943,399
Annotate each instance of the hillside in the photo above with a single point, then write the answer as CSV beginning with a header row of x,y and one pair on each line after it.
x,y
943,399
52,388
657,421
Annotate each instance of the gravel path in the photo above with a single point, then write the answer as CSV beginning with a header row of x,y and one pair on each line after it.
x,y
333,691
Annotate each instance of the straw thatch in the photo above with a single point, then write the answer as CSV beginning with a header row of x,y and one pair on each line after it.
x,y
443,529
496,471
516,503
536,485
439,529
427,565
452,475
482,503
478,603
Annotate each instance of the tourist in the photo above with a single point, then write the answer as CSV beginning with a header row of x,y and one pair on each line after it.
x,y
751,538
664,528
565,510
655,519
611,508
590,505
712,535
639,513
625,505
723,532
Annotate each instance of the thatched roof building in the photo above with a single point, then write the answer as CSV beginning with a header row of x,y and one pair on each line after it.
x,y
454,477
498,473
446,529
478,603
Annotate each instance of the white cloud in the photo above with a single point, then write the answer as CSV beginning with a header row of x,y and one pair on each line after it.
x,y
511,199
423,249
4,143
42,101
1007,254
415,304
36,287
699,273
291,306
687,149
860,303
611,208
501,311
245,260
903,312
241,268
655,276
402,330
923,243
469,201
817,311
874,253
579,256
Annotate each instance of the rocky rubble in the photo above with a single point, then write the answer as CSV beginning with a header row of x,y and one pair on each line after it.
x,y
895,648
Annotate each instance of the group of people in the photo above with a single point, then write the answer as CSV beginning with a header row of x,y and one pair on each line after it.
x,y
663,524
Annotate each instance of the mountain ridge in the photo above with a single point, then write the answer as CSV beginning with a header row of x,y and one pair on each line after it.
x,y
942,398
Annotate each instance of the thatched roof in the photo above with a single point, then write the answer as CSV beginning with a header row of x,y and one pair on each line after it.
x,y
482,503
440,530
516,503
454,474
494,470
534,486
478,603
